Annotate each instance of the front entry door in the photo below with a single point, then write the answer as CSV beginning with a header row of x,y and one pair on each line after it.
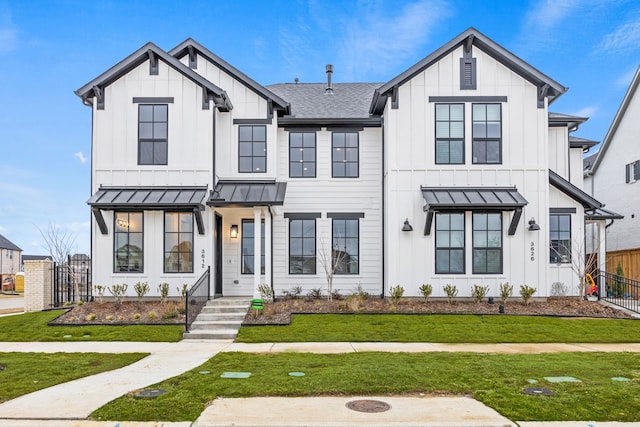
x,y
217,270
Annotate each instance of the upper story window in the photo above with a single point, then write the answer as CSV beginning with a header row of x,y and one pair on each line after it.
x,y
632,172
487,133
127,242
344,155
487,243
302,154
152,134
450,243
252,149
449,133
559,239
178,242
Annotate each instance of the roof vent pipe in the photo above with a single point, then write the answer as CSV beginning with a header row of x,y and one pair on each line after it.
x,y
329,69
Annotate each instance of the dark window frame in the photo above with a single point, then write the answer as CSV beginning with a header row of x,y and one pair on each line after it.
x,y
252,255
486,248
449,249
253,143
555,254
154,141
315,155
485,140
302,237
179,233
343,267
449,140
345,162
116,233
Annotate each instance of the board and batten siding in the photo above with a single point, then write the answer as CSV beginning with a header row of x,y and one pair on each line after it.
x,y
323,195
410,162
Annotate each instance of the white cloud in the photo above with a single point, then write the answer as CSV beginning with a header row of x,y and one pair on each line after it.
x,y
80,157
623,38
550,13
375,41
588,111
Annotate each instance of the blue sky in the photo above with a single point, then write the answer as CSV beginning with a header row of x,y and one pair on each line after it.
x,y
50,48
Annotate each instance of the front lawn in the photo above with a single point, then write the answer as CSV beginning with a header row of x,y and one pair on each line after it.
x,y
34,327
496,380
444,329
22,373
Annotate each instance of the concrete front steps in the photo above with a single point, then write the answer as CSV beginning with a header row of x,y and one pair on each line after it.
x,y
220,319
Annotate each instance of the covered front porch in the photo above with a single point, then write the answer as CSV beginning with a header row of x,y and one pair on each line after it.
x,y
244,222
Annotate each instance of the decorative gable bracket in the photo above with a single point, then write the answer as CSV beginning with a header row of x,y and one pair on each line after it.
x,y
542,94
193,58
99,94
153,63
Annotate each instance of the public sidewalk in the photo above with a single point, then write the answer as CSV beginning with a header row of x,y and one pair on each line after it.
x,y
69,404
11,304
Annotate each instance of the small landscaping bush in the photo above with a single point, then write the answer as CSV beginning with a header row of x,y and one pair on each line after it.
x,y
526,292
451,291
142,289
426,291
119,291
506,291
163,290
479,292
395,293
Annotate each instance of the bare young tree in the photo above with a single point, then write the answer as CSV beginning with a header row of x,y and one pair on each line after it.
x,y
61,244
331,260
582,263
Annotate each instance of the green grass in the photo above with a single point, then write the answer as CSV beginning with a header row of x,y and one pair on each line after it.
x,y
33,327
443,329
28,372
494,379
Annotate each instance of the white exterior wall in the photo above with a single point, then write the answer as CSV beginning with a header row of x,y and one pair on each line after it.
x,y
559,151
410,163
115,163
609,184
325,194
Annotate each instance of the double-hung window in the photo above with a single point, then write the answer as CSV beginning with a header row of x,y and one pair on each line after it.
x,y
152,134
344,155
178,242
487,243
302,246
248,255
559,239
487,133
302,154
252,149
450,243
127,242
450,134
345,245
632,172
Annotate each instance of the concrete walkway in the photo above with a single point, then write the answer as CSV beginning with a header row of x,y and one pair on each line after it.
x,y
69,404
10,304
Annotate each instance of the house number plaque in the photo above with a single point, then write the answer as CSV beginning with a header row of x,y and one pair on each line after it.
x,y
202,258
533,251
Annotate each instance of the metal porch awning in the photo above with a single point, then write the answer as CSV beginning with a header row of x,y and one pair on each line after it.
x,y
148,198
472,198
601,214
248,193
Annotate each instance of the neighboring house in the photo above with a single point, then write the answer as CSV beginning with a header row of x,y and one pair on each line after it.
x,y
34,258
453,172
9,260
614,173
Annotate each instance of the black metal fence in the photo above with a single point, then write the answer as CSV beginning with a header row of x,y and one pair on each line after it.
x,y
71,282
619,290
196,298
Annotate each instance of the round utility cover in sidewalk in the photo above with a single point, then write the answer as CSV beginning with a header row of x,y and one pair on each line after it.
x,y
368,405
149,394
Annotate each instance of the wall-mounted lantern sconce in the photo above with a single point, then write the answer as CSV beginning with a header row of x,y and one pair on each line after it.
x,y
533,226
407,226
234,231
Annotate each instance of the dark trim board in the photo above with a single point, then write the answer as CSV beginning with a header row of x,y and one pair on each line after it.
x,y
252,121
304,215
562,210
467,99
153,100
345,215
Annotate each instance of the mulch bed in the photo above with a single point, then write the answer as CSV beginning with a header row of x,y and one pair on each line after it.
x,y
125,313
279,312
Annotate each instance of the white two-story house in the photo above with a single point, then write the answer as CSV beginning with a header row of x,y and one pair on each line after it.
x,y
454,172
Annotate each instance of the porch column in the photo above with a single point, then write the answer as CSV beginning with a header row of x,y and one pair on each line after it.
x,y
257,254
602,246
267,247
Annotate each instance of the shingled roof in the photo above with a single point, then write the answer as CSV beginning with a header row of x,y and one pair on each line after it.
x,y
7,244
310,100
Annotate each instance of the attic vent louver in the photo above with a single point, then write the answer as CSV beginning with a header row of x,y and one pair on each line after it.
x,y
468,67
329,89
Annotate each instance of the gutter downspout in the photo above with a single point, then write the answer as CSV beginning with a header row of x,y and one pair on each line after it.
x,y
273,292
383,212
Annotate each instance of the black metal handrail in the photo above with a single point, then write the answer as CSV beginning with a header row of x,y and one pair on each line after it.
x,y
619,290
196,298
